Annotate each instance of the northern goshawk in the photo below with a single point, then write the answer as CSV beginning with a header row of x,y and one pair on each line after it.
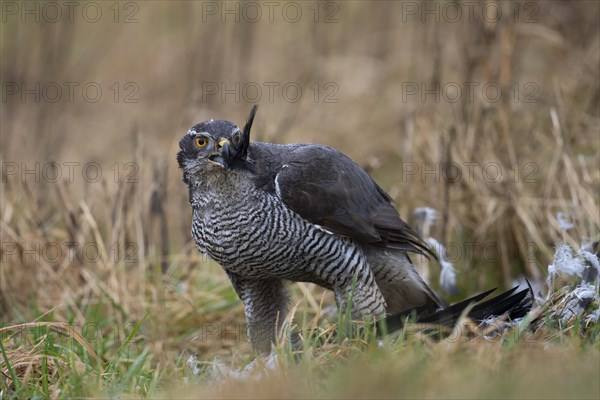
x,y
270,213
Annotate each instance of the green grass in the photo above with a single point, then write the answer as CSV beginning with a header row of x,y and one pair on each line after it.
x,y
550,363
136,323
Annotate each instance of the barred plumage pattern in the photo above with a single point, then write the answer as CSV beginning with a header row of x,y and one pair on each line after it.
x,y
269,213
252,234
261,220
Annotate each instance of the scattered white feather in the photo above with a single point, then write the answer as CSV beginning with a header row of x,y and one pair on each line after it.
x,y
253,371
583,267
447,272
563,222
593,317
577,301
565,262
182,287
588,245
448,278
585,292
428,214
192,363
500,325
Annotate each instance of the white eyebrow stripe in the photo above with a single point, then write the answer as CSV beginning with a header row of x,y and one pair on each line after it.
x,y
192,132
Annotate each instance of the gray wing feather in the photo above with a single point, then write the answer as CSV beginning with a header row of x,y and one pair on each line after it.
x,y
327,188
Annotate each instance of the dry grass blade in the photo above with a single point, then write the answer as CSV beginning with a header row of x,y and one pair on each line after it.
x,y
498,170
62,328
30,363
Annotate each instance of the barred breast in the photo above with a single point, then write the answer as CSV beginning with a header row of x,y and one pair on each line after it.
x,y
258,237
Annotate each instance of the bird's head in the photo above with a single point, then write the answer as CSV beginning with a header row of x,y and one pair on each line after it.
x,y
214,144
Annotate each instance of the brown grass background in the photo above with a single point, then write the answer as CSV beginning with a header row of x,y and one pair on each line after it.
x,y
370,53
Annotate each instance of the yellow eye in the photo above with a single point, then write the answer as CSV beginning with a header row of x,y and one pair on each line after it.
x,y
201,142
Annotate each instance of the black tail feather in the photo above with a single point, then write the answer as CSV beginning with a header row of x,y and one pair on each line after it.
x,y
511,303
498,306
449,315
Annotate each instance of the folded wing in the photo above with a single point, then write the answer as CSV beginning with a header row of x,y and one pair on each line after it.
x,y
329,189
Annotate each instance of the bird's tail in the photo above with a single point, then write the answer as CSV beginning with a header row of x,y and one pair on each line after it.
x,y
512,303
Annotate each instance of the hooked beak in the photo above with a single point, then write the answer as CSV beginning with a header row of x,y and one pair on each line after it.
x,y
224,154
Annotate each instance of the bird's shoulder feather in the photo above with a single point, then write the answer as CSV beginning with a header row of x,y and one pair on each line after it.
x,y
327,188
